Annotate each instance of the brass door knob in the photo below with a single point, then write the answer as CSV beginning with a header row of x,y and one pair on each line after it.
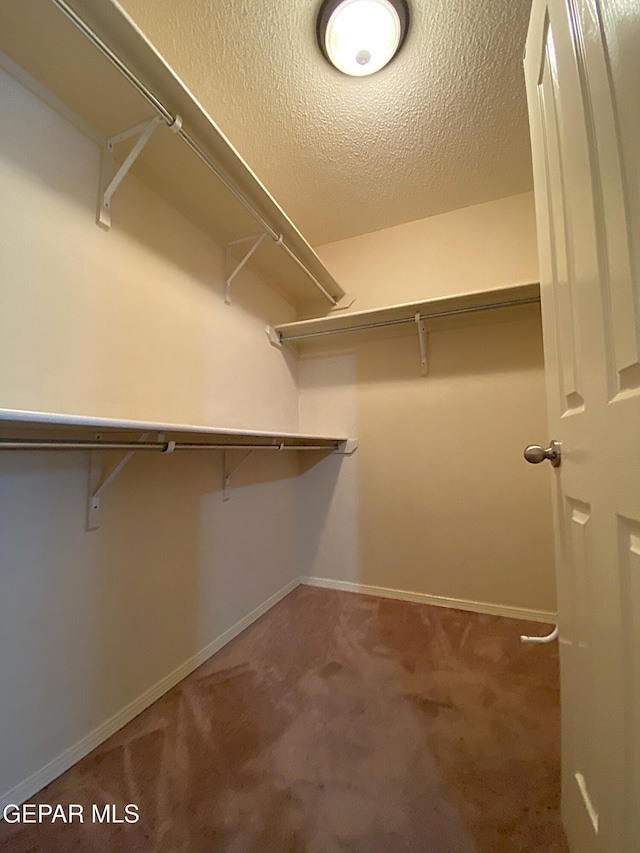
x,y
535,454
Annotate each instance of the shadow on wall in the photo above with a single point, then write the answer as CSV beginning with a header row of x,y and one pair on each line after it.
x,y
476,344
504,341
69,166
181,565
328,521
91,621
439,500
129,323
447,505
194,253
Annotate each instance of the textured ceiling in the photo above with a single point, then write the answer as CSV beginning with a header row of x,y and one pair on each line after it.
x,y
443,126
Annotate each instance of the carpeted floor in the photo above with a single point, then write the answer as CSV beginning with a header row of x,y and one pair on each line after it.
x,y
337,722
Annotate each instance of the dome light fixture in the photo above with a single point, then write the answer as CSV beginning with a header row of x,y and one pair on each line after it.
x,y
360,37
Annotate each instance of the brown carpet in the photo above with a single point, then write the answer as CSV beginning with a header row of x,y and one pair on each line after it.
x,y
337,722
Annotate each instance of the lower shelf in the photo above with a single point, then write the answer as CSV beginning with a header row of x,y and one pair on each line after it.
x,y
49,431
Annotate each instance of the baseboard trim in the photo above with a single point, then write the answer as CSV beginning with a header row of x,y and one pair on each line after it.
x,y
437,600
34,783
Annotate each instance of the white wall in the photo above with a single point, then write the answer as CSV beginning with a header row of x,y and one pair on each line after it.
x,y
473,248
129,324
438,501
132,324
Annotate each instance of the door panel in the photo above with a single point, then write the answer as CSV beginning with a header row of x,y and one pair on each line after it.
x,y
629,546
585,130
584,682
620,305
571,399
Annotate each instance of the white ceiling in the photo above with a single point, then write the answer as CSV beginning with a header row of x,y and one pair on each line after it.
x,y
443,126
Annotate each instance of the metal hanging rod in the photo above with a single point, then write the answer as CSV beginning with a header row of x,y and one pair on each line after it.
x,y
170,119
413,319
93,37
163,446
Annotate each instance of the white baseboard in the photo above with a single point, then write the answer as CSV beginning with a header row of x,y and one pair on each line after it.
x,y
437,600
23,790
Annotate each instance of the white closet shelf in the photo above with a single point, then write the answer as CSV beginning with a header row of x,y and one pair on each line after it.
x,y
429,312
50,431
47,431
195,168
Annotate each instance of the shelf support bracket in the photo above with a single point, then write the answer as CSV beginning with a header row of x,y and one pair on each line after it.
x,y
255,241
347,448
109,182
344,302
422,337
227,473
99,480
274,338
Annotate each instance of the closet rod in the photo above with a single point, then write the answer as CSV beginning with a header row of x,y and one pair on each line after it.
x,y
412,319
104,48
164,446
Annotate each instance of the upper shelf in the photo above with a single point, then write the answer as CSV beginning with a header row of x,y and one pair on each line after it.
x,y
197,170
430,311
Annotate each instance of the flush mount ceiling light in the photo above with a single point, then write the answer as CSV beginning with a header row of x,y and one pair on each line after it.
x,y
360,37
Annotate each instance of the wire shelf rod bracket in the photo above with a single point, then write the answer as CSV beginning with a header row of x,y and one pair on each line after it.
x,y
101,475
422,338
175,124
100,478
255,241
347,448
228,473
344,302
110,177
282,332
275,338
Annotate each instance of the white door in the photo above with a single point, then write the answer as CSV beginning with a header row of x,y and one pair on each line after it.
x,y
582,68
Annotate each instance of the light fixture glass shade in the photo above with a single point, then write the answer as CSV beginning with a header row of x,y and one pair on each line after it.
x,y
362,36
